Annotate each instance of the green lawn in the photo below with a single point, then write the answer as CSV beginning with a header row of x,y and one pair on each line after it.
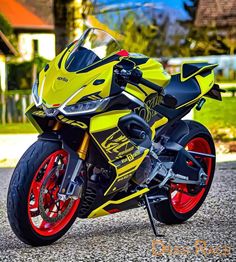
x,y
219,117
17,128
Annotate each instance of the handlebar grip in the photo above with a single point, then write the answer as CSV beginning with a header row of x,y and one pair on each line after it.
x,y
150,85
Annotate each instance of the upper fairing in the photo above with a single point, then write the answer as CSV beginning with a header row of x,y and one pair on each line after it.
x,y
57,85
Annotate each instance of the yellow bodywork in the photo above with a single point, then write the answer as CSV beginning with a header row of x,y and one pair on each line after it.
x,y
154,72
209,66
59,87
120,152
100,210
205,82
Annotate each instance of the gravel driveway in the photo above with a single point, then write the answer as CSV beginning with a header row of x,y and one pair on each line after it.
x,y
127,236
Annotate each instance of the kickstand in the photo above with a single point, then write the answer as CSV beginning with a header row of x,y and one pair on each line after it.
x,y
151,218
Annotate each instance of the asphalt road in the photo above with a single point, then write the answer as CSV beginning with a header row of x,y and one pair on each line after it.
x,y
127,236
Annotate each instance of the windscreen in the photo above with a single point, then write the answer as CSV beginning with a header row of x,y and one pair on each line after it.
x,y
94,45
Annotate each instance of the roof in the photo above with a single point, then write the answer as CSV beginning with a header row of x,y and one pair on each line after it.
x,y
219,13
5,46
22,18
42,8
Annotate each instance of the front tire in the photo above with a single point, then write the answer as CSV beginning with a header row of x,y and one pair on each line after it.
x,y
179,207
35,213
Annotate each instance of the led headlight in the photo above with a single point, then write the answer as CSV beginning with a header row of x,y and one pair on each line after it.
x,y
86,107
36,98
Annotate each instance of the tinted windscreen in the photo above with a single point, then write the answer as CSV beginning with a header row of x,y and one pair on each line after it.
x,y
94,45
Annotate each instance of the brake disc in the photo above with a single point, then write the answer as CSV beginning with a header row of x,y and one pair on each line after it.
x,y
44,211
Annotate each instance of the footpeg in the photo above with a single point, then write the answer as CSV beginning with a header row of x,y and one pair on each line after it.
x,y
169,176
151,218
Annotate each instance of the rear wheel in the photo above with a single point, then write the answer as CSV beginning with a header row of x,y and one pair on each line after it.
x,y
36,214
184,200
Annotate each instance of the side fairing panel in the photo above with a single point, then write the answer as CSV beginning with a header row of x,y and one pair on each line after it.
x,y
154,72
102,210
183,91
120,152
206,82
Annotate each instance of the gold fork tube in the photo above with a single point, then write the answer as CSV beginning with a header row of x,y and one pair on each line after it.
x,y
82,150
57,126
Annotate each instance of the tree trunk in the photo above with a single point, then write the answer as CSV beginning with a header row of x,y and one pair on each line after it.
x,y
60,22
69,16
3,101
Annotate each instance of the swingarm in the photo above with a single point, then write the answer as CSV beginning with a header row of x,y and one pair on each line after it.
x,y
185,169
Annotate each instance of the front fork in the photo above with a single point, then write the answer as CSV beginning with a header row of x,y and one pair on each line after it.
x,y
72,184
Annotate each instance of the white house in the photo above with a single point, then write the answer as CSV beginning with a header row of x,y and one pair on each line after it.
x,y
34,34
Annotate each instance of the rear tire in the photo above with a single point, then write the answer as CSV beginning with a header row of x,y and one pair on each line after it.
x,y
170,213
19,199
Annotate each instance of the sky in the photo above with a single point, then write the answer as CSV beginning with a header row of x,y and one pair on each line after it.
x,y
172,3
173,8
162,4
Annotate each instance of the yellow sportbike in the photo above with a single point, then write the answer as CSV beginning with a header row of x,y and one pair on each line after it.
x,y
111,139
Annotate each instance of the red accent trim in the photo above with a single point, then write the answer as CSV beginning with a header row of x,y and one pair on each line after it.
x,y
123,53
115,210
56,104
181,202
50,199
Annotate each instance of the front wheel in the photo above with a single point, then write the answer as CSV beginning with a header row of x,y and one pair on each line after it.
x,y
36,214
184,200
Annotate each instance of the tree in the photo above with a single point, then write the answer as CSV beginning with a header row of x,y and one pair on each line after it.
x,y
68,15
60,23
5,26
191,8
137,37
147,38
199,40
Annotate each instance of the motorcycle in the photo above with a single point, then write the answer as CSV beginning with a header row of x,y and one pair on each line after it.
x,y
111,138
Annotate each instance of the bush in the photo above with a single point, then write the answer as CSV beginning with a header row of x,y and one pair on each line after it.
x,y
219,118
220,78
223,134
20,74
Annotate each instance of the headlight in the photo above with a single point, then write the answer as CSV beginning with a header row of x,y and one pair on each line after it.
x,y
86,107
36,98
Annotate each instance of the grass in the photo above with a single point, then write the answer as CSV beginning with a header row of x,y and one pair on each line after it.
x,y
17,128
219,117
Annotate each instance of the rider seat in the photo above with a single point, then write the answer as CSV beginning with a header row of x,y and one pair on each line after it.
x,y
184,86
182,91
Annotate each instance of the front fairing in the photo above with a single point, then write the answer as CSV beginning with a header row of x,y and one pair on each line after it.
x,y
71,75
57,85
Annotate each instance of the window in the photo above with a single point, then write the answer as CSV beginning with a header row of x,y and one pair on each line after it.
x,y
35,47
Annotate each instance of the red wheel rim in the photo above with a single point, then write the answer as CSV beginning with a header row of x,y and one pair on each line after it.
x,y
43,197
181,202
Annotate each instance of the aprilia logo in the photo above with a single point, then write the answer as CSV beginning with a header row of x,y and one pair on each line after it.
x,y
62,79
